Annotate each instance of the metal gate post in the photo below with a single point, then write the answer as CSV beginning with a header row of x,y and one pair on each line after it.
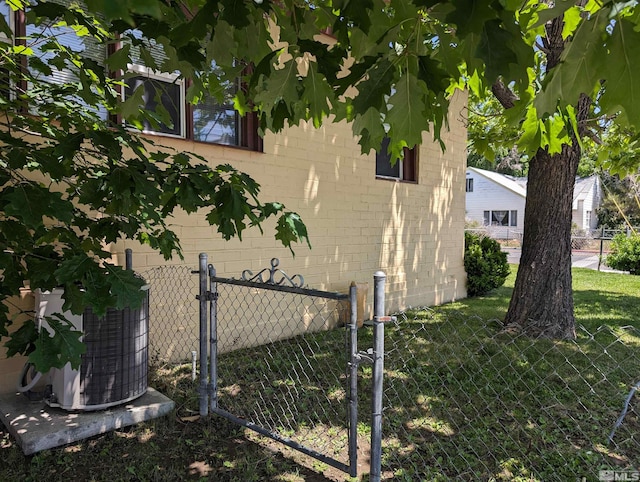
x,y
213,342
379,319
353,383
204,371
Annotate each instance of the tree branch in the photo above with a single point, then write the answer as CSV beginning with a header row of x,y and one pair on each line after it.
x,y
504,94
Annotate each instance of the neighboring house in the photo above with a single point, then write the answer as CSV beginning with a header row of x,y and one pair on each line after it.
x,y
587,197
497,201
362,216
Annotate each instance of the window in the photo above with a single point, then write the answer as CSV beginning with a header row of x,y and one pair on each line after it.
x,y
209,121
404,169
163,94
40,65
469,185
501,218
588,220
216,123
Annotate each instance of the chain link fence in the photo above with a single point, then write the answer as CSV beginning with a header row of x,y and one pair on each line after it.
x,y
465,401
173,313
462,400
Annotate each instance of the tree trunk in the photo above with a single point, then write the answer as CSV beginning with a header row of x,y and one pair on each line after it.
x,y
542,301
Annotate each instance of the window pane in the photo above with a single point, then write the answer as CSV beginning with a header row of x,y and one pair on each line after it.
x,y
487,218
514,218
217,122
40,38
500,218
5,11
469,185
159,92
383,162
145,52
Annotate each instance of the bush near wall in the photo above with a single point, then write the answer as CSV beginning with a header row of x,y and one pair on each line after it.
x,y
485,262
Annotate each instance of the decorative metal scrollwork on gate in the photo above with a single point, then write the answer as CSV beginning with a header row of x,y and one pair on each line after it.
x,y
296,281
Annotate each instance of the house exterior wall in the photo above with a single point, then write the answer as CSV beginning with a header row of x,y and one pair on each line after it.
x,y
357,224
584,215
488,195
578,215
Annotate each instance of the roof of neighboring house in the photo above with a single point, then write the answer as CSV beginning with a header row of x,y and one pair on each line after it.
x,y
507,182
581,190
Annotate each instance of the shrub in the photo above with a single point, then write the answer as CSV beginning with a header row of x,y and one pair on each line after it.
x,y
485,263
625,253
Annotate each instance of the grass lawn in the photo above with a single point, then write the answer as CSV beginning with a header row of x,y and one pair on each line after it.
x,y
462,402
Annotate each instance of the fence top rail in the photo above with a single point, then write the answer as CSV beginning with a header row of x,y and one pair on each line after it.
x,y
331,295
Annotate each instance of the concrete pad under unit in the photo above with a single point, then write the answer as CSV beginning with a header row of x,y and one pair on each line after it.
x,y
36,426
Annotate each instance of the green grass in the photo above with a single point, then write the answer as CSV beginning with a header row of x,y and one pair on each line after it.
x,y
463,401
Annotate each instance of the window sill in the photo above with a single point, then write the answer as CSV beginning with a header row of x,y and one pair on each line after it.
x,y
395,179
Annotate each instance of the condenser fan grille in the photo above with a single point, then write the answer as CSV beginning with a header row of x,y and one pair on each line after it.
x,y
115,365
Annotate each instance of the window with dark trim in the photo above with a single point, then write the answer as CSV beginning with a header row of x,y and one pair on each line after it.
x,y
469,187
161,94
501,218
210,121
405,169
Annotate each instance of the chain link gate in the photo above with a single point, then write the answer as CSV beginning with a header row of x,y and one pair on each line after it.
x,y
282,360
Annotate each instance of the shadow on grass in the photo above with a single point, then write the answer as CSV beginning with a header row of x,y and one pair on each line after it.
x,y
462,402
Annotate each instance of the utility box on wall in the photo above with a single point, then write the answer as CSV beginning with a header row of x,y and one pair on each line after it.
x,y
114,369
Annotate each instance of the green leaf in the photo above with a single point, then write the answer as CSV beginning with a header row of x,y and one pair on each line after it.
x,y
495,49
119,59
5,28
235,13
572,18
578,71
125,287
531,139
222,48
406,114
73,268
56,348
30,202
317,93
470,16
280,87
376,85
559,8
370,129
21,341
622,72
291,229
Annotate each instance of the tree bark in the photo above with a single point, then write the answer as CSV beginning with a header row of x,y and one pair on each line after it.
x,y
542,300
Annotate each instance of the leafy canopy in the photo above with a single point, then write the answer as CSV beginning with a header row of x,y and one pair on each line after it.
x,y
389,67
73,180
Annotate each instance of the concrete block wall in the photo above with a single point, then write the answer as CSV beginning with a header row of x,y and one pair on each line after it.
x,y
357,224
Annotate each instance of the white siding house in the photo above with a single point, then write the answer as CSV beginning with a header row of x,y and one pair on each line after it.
x,y
587,196
497,201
